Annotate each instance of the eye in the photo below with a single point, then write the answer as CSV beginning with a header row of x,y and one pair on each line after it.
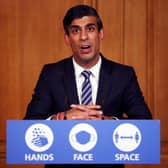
x,y
75,30
91,28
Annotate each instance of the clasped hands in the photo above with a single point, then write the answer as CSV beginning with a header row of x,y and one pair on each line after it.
x,y
83,112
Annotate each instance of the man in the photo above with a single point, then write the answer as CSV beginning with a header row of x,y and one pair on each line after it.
x,y
112,89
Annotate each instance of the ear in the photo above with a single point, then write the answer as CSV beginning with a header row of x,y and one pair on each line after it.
x,y
101,34
66,38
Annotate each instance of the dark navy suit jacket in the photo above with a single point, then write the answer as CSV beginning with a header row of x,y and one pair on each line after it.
x,y
118,91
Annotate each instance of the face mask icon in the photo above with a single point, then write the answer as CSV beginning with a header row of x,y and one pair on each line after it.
x,y
83,137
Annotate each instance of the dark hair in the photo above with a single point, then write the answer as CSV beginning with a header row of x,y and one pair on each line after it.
x,y
78,12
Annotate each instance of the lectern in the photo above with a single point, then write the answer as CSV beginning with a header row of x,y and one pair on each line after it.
x,y
83,142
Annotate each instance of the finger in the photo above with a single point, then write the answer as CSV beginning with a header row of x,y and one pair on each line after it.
x,y
79,117
94,118
92,106
85,107
79,107
95,112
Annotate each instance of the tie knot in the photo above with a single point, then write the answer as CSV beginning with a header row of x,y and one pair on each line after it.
x,y
86,74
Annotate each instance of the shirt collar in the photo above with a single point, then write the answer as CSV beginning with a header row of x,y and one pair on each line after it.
x,y
95,69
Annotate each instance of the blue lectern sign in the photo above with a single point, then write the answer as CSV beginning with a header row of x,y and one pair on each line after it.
x,y
83,142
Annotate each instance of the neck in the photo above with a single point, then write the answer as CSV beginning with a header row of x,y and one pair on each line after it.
x,y
87,64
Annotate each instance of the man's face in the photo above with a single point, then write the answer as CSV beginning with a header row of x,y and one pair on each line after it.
x,y
84,40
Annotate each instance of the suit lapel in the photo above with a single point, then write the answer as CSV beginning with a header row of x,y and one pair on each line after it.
x,y
104,82
70,83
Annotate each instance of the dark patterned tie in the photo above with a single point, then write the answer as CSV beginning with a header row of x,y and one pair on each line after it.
x,y
86,89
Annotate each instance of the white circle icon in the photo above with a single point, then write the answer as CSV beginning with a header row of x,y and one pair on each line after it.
x,y
85,130
127,137
39,137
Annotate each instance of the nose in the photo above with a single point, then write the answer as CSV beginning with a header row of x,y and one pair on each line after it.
x,y
84,35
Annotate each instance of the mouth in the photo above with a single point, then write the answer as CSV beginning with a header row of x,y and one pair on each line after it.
x,y
85,49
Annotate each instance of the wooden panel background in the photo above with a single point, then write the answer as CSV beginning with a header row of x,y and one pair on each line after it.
x,y
31,34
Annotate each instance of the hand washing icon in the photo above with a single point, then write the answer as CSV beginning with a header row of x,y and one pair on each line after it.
x,y
39,137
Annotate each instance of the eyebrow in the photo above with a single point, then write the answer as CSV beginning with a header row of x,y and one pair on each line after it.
x,y
77,26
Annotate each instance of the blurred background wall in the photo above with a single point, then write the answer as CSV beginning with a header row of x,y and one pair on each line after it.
x,y
31,34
